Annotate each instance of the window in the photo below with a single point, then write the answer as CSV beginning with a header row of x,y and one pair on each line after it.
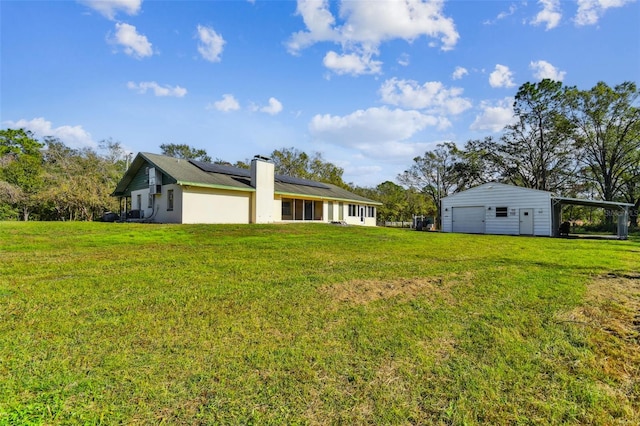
x,y
353,211
501,212
286,209
340,211
170,200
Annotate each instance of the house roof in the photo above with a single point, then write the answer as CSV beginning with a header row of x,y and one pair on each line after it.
x,y
196,173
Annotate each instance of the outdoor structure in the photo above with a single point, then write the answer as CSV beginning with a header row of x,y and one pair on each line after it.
x,y
495,208
157,188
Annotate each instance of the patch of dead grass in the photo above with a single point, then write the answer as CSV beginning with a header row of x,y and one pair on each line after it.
x,y
366,291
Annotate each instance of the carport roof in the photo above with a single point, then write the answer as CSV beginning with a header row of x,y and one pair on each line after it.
x,y
591,203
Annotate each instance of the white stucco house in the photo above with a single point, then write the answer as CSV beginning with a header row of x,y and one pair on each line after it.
x,y
496,208
158,188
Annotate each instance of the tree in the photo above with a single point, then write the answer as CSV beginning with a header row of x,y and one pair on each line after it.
x,y
80,181
607,133
20,171
477,163
184,151
296,163
434,174
400,204
536,152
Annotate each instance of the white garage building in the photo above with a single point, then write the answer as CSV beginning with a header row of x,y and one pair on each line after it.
x,y
495,208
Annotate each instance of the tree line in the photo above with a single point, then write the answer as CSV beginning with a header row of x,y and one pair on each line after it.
x,y
575,143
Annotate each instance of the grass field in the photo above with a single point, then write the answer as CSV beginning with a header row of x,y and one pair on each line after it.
x,y
314,324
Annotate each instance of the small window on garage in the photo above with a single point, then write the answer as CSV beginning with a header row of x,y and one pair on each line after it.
x,y
501,212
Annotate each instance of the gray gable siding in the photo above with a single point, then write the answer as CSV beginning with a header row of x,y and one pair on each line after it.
x,y
141,179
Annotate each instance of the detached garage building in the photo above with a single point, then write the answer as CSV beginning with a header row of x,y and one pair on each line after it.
x,y
495,208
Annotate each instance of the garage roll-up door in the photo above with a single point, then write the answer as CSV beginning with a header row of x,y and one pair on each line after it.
x,y
468,220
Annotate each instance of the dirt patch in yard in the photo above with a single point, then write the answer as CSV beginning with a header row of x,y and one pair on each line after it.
x,y
366,291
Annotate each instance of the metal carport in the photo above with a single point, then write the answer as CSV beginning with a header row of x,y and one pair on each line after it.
x,y
621,208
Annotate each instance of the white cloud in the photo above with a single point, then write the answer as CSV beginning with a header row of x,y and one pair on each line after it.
x,y
109,8
590,11
72,136
351,64
211,44
459,72
228,103
404,60
501,77
142,87
432,96
494,117
502,15
549,15
365,25
134,44
375,132
543,69
274,107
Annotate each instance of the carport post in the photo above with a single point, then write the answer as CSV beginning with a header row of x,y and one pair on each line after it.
x,y
623,230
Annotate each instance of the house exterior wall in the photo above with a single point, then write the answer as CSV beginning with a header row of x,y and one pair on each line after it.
x,y
277,209
493,196
205,205
163,213
144,198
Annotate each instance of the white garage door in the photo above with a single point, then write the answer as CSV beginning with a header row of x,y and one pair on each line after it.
x,y
468,220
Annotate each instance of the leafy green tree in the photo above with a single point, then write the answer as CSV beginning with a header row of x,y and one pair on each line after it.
x,y
80,181
184,151
477,163
607,134
537,149
400,204
434,174
20,172
296,163
536,152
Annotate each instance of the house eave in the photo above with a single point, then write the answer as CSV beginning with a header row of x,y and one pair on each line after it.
x,y
215,186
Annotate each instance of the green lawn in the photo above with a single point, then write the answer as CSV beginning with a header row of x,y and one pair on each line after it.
x,y
314,324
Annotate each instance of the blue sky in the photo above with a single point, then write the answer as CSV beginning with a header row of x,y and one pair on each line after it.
x,y
369,84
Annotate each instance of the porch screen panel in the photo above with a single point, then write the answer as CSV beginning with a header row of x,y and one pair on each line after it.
x,y
299,209
308,210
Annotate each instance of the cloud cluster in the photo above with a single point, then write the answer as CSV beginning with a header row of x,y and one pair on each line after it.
x,y
431,96
211,43
590,11
134,44
389,131
109,8
365,25
72,136
543,69
494,116
229,103
501,77
160,91
549,15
